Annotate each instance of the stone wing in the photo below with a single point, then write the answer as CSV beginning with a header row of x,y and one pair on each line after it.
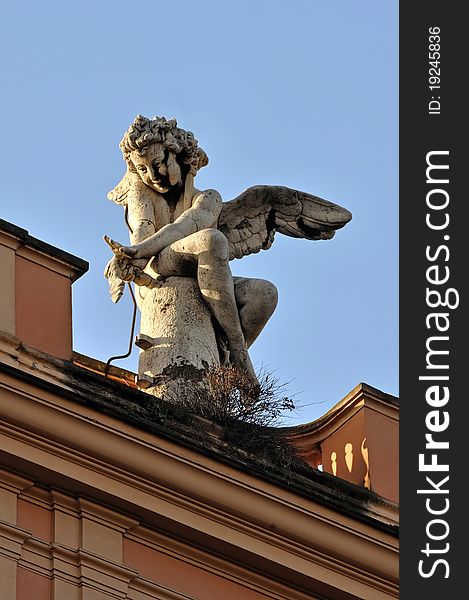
x,y
251,220
119,193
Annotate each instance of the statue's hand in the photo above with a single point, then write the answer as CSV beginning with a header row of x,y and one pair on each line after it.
x,y
121,269
119,250
125,270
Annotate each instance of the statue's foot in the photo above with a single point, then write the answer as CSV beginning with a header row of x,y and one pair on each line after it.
x,y
242,361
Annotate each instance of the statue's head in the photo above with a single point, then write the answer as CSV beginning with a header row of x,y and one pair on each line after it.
x,y
161,153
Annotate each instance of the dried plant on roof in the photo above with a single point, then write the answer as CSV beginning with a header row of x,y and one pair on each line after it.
x,y
231,396
250,415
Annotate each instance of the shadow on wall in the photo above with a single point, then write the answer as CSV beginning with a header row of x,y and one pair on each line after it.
x,y
347,458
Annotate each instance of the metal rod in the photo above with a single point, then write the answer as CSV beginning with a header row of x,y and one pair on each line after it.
x,y
132,331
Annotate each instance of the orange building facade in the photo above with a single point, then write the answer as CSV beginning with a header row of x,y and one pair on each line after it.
x,y
106,494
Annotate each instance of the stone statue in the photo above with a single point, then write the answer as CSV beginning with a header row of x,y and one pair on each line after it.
x,y
194,313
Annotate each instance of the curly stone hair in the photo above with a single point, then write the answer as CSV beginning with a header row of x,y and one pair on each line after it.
x,y
145,132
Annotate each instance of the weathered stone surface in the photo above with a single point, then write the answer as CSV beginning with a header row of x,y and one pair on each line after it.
x,y
176,329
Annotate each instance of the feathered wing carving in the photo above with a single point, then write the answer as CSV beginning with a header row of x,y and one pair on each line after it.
x,y
119,270
113,270
251,220
119,193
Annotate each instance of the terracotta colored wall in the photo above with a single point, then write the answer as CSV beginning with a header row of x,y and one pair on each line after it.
x,y
186,578
346,441
32,586
383,437
63,544
89,543
372,436
7,289
43,309
41,515
35,518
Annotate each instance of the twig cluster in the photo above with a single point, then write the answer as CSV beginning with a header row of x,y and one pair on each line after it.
x,y
249,414
230,396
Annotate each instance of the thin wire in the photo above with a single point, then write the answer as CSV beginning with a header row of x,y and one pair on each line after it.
x,y
132,330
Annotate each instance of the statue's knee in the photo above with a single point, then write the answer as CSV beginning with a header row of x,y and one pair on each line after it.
x,y
263,298
214,242
268,294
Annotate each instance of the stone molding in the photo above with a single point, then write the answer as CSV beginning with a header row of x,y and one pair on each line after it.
x,y
174,489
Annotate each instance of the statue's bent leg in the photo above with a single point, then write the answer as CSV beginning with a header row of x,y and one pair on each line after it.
x,y
206,252
256,300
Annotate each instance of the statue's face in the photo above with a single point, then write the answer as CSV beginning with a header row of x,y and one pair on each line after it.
x,y
157,168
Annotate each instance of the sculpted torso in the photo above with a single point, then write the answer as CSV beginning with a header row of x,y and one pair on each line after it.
x,y
158,171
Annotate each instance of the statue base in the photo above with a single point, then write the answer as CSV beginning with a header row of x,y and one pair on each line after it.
x,y
177,337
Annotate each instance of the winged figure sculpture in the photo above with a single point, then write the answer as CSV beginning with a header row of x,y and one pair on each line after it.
x,y
178,230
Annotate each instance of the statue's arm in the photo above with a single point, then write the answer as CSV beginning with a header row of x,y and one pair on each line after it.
x,y
202,214
140,214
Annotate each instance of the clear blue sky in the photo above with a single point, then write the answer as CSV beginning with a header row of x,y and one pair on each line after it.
x,y
301,93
